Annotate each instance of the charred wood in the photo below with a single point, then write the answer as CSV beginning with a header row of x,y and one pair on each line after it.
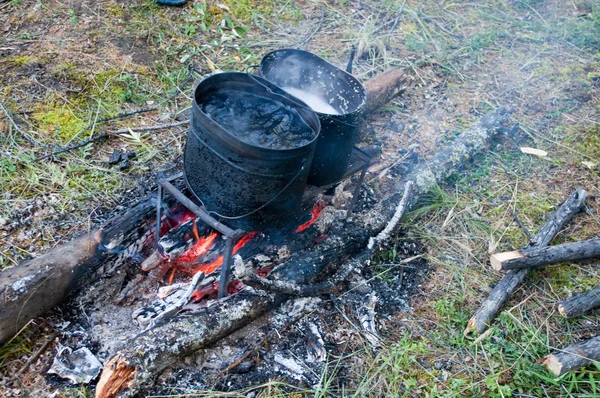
x,y
142,358
580,303
506,286
35,286
573,357
538,257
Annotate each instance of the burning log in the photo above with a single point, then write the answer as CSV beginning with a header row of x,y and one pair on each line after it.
x,y
538,257
505,288
38,285
573,357
141,359
580,303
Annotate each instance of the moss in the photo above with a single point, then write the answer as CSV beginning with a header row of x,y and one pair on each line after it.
x,y
21,60
57,121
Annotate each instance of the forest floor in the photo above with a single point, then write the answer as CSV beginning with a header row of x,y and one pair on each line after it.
x,y
67,65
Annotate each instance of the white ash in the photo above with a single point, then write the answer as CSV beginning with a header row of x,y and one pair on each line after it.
x,y
296,368
315,346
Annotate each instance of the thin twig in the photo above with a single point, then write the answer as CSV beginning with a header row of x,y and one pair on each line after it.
x,y
397,18
111,133
237,363
29,138
108,119
35,356
149,128
309,38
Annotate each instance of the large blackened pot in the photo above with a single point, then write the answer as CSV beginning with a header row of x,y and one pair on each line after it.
x,y
309,73
246,185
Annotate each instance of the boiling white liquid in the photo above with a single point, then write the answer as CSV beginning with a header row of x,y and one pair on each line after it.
x,y
316,103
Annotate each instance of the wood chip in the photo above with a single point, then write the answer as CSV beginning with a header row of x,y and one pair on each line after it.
x,y
533,151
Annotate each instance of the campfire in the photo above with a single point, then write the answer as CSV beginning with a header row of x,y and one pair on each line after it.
x,y
238,246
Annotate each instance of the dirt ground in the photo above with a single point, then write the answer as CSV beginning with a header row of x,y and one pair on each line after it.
x,y
67,65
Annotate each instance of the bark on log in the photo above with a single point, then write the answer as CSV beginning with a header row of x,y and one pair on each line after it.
x,y
352,236
505,288
580,303
532,258
573,357
383,88
141,359
36,286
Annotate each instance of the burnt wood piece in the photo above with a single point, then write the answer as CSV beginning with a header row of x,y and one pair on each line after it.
x,y
383,88
573,357
538,257
38,285
580,303
143,357
506,286
351,236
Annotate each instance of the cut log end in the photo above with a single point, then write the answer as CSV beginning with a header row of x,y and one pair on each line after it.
x,y
499,258
116,376
562,311
553,364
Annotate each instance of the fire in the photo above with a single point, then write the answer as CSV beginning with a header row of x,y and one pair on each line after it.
x,y
315,211
211,267
167,291
201,246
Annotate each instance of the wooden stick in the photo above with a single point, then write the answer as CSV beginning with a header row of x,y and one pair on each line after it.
x,y
505,288
538,257
580,303
573,357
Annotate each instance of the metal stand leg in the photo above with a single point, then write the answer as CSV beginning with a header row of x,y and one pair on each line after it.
x,y
356,192
159,195
226,268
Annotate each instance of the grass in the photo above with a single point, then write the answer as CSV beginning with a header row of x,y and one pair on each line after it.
x,y
541,58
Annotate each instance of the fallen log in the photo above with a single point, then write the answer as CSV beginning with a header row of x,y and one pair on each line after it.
x,y
32,288
353,235
538,257
580,303
573,357
506,286
383,89
38,285
142,358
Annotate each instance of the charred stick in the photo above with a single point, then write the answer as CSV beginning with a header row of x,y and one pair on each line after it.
x,y
538,257
580,303
573,357
506,286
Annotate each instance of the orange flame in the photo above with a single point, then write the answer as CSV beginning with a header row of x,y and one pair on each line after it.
x,y
167,291
201,246
211,267
315,211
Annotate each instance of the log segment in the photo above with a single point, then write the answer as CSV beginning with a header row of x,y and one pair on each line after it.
x,y
580,303
38,285
573,357
538,257
506,286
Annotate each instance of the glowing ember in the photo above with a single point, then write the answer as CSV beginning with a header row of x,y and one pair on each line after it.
x,y
211,267
201,246
315,211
